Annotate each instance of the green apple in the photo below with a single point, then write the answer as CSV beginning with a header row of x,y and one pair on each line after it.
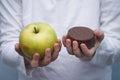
x,y
36,37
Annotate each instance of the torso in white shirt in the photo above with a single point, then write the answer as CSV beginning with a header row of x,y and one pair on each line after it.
x,y
62,15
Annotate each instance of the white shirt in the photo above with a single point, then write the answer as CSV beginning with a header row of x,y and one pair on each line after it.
x,y
62,15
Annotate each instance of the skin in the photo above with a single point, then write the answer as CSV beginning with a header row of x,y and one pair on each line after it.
x,y
35,61
89,53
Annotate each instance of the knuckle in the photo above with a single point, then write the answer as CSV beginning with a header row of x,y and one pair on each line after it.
x,y
46,62
70,51
74,50
48,57
34,64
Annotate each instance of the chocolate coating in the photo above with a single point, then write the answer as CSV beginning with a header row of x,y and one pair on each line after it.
x,y
82,35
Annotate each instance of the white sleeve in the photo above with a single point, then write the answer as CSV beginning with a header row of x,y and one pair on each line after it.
x,y
10,26
109,50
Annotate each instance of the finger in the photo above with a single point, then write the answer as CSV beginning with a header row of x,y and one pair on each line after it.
x,y
76,49
97,42
99,35
87,52
17,48
47,58
64,40
56,51
60,44
35,60
97,38
68,46
26,59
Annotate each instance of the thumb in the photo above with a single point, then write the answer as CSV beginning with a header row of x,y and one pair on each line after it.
x,y
18,49
99,35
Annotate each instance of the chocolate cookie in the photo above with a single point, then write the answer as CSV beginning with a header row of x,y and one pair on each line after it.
x,y
82,35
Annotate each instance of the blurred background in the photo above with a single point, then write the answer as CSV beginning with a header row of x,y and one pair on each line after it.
x,y
8,73
116,71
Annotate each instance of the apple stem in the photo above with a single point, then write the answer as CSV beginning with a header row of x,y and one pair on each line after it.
x,y
36,31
